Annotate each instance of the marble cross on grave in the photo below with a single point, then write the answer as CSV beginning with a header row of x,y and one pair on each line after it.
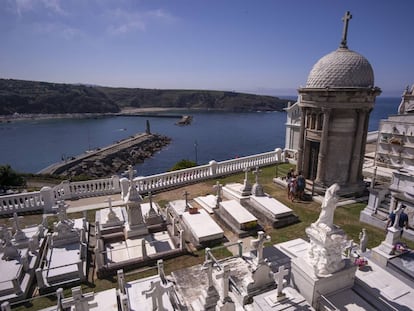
x,y
19,234
208,265
186,194
131,172
151,211
78,300
111,215
225,276
247,187
62,216
347,17
155,292
279,276
161,273
218,187
256,173
259,244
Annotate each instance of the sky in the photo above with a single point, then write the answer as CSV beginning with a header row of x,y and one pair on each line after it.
x,y
263,47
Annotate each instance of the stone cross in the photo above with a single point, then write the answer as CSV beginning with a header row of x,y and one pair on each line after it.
x,y
256,173
78,300
19,235
161,273
109,201
16,222
346,20
279,275
225,276
246,170
208,265
155,292
258,244
151,211
62,211
131,172
218,187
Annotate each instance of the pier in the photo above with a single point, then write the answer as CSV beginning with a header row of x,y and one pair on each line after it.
x,y
100,154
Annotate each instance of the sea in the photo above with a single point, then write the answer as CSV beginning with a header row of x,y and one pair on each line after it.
x,y
31,145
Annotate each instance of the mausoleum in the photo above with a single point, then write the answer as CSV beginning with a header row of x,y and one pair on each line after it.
x,y
335,107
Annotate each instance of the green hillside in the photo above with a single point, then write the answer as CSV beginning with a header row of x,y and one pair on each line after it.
x,y
42,97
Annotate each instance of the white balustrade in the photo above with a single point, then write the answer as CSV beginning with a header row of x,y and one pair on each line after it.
x,y
29,201
46,198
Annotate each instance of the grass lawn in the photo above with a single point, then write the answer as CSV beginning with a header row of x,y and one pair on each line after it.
x,y
347,217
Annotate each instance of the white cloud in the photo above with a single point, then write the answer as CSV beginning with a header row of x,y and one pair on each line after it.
x,y
64,31
123,21
22,6
53,5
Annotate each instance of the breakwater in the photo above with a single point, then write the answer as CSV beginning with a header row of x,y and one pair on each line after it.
x,y
111,159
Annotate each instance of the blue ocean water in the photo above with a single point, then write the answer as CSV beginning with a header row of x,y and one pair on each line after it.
x,y
29,146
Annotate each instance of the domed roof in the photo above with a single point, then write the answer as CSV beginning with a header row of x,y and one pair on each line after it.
x,y
341,68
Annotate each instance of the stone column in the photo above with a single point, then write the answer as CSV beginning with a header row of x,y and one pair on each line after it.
x,y
320,174
357,147
213,168
364,139
301,140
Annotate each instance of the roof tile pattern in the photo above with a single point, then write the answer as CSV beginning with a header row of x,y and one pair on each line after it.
x,y
341,68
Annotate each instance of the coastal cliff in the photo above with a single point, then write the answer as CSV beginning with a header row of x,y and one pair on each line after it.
x,y
32,97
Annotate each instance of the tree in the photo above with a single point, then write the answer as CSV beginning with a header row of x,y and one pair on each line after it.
x,y
180,165
9,178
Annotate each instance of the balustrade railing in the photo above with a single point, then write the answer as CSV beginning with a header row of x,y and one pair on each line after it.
x,y
15,203
47,197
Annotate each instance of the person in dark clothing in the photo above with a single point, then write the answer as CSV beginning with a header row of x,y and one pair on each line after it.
x,y
402,221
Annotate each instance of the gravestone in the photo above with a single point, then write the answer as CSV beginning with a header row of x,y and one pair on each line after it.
x,y
225,303
135,225
257,189
246,189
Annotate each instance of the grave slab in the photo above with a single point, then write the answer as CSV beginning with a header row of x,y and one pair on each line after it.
x,y
202,226
292,301
234,191
207,202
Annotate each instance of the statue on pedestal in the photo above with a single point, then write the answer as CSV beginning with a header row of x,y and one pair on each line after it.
x,y
326,240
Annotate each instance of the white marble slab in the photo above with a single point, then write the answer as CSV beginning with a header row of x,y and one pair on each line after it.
x,y
63,260
238,212
207,202
137,299
276,208
293,248
203,227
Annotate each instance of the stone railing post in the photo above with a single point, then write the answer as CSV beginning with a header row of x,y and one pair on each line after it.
x,y
116,186
65,187
278,154
46,194
213,168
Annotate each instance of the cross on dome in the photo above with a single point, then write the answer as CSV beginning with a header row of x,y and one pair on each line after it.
x,y
347,17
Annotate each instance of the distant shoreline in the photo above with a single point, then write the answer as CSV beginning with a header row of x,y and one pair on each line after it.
x,y
125,111
45,116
